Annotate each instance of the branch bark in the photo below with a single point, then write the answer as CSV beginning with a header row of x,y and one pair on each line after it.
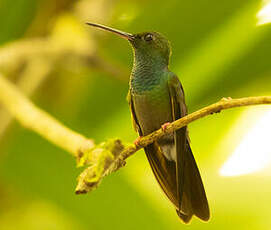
x,y
108,156
39,121
225,103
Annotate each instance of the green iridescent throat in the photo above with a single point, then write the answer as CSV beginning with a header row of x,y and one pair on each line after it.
x,y
149,70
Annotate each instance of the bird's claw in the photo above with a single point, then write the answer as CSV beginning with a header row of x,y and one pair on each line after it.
x,y
137,141
164,126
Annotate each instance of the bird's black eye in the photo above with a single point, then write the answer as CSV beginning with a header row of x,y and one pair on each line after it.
x,y
148,37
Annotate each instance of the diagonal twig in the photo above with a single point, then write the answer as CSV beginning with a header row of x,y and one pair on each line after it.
x,y
106,157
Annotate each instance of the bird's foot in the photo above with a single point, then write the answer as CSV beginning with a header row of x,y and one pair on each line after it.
x,y
164,126
137,141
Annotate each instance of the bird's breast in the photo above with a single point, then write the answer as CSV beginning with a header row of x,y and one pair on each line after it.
x,y
152,108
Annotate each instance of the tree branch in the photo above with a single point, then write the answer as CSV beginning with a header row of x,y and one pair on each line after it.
x,y
40,55
108,156
39,121
35,72
87,179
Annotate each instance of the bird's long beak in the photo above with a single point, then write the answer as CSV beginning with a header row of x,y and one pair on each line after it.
x,y
125,35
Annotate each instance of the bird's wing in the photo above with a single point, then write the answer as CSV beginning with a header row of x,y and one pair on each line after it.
x,y
190,191
178,108
163,169
133,115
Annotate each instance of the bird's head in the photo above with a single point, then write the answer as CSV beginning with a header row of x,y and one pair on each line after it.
x,y
153,45
148,45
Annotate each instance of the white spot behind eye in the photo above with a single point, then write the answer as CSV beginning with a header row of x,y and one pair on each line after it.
x,y
148,37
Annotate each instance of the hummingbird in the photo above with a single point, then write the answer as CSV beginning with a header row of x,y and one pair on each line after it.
x,y
156,98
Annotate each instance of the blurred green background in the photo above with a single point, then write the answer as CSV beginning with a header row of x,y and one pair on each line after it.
x,y
80,75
